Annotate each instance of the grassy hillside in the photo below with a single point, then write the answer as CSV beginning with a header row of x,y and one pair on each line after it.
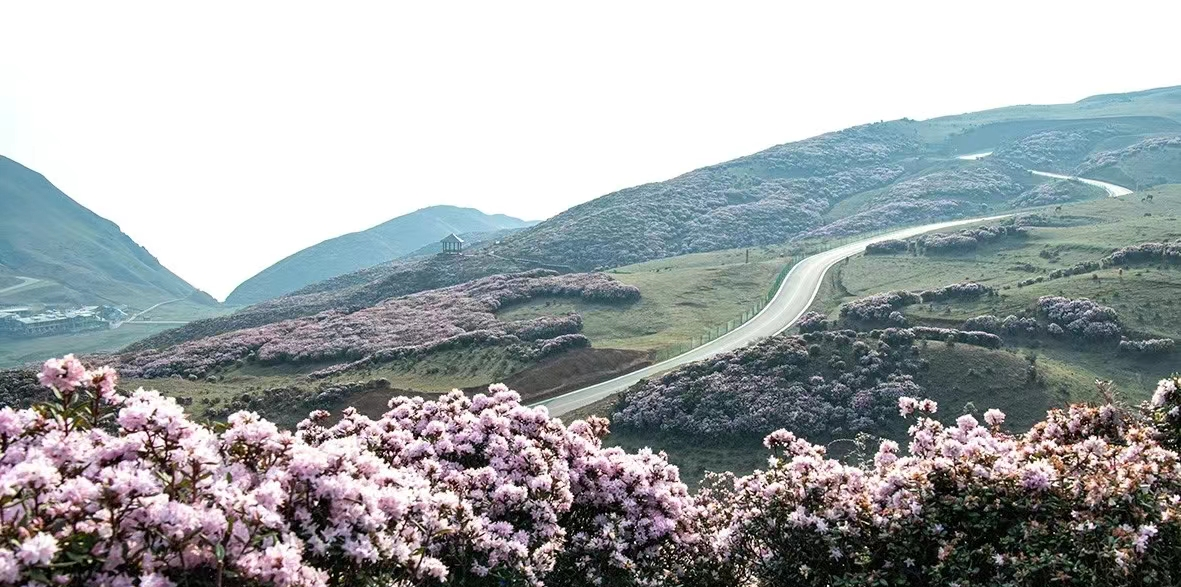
x,y
1143,294
349,292
1148,162
682,297
358,250
853,181
831,184
79,256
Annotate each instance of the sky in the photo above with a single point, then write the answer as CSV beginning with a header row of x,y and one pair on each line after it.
x,y
224,136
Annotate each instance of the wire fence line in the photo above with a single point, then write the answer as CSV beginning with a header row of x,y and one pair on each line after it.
x,y
716,331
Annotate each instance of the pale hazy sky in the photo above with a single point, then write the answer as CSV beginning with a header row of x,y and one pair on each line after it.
x,y
224,136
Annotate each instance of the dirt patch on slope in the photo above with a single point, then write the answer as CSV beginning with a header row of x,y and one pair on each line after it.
x,y
572,370
552,376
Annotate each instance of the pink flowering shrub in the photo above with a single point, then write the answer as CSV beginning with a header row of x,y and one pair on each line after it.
x,y
1167,252
1053,150
1081,317
881,307
1132,154
1085,498
443,318
812,322
1164,411
351,291
966,239
98,488
878,307
821,383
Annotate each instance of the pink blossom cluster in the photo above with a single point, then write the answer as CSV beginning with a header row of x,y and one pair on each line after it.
x,y
103,489
1115,157
462,314
1164,410
820,384
1087,497
359,289
111,490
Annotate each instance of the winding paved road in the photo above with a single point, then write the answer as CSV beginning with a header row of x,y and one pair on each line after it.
x,y
25,282
1113,190
799,289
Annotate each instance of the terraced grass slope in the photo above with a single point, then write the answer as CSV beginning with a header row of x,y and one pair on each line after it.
x,y
351,252
79,256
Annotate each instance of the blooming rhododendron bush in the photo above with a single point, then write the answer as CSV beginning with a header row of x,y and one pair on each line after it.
x,y
1087,497
455,316
100,488
821,384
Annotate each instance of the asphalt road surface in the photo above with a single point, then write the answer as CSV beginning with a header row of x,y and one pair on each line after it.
x,y
1113,190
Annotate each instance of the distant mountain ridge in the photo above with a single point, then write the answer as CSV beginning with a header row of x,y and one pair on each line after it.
x,y
46,235
358,250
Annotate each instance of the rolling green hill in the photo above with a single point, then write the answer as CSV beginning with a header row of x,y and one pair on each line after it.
x,y
887,173
358,250
72,255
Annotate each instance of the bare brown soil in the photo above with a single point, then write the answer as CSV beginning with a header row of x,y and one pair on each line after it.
x,y
552,376
573,370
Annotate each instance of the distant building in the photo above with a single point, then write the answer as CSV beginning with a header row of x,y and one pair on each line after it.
x,y
452,245
51,322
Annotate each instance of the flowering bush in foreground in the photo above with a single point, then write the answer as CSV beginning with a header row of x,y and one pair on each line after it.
x,y
103,489
1084,498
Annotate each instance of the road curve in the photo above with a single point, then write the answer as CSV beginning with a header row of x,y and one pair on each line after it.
x,y
25,282
1113,190
797,292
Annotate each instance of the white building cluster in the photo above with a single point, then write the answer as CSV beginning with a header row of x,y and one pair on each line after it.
x,y
23,323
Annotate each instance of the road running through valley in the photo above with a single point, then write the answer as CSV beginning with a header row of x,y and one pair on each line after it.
x,y
795,295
